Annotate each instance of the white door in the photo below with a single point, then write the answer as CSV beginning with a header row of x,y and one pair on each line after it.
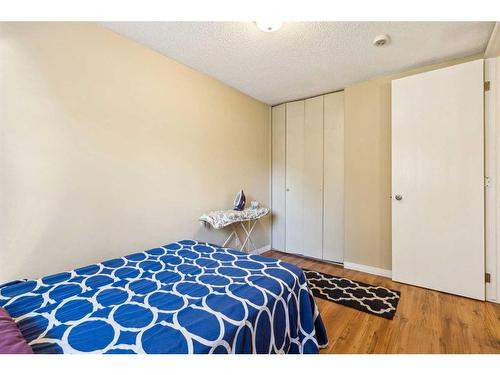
x,y
278,178
294,176
438,180
333,186
312,188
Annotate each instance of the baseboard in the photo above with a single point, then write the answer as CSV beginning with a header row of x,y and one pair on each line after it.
x,y
261,250
368,269
348,265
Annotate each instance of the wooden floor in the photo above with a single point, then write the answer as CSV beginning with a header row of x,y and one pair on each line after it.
x,y
426,321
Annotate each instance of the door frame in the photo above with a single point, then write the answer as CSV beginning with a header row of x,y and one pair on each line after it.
x,y
492,173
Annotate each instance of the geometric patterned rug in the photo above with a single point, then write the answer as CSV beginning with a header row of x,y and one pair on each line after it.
x,y
371,299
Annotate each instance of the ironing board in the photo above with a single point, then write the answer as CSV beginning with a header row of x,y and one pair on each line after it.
x,y
246,219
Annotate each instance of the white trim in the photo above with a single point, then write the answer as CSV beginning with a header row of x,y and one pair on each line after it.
x,y
270,175
368,269
491,162
496,112
261,250
492,170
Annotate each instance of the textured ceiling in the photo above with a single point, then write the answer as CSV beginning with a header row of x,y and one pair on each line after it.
x,y
305,58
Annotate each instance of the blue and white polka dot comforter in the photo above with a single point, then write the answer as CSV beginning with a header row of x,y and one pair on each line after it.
x,y
184,297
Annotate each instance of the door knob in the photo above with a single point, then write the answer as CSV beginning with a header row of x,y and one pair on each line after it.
x,y
398,197
287,189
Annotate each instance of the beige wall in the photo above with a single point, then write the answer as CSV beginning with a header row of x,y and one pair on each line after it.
x,y
108,147
493,47
368,169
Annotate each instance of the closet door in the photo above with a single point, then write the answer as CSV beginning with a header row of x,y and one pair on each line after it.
x,y
333,175
312,183
294,176
438,180
278,178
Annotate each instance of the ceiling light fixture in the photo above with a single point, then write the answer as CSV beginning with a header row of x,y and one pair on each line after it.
x,y
269,25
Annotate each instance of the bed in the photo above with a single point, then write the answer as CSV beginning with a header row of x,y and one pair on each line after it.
x,y
184,297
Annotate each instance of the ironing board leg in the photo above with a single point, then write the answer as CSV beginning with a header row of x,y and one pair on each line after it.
x,y
248,232
230,237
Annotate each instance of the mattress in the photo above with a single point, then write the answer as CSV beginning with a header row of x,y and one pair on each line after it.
x,y
184,297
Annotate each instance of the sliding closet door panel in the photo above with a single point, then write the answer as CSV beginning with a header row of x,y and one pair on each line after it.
x,y
294,176
333,187
313,178
278,178
438,180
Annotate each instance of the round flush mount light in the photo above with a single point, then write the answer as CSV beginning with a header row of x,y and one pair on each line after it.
x,y
269,25
381,40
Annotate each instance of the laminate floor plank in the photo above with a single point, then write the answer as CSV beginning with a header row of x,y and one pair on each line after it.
x,y
426,321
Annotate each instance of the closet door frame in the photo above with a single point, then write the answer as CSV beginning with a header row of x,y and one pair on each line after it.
x,y
278,171
307,153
